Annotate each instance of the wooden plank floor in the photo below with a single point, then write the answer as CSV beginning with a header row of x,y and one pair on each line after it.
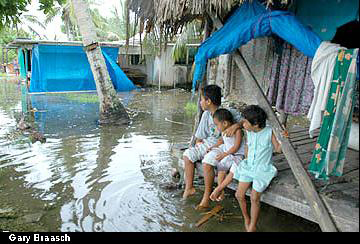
x,y
340,194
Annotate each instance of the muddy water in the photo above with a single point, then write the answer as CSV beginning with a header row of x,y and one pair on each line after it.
x,y
91,178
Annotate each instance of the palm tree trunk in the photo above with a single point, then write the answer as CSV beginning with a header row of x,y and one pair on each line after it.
x,y
111,109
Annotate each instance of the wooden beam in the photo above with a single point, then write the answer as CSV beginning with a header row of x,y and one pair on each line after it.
x,y
207,33
318,207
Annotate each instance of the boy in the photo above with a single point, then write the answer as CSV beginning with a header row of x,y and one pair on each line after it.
x,y
206,137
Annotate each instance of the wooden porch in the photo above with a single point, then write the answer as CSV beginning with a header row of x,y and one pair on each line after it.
x,y
340,195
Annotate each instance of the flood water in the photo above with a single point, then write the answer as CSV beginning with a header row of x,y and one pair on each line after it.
x,y
87,177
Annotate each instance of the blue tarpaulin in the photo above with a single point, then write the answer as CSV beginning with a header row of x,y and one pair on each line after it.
x,y
324,16
249,21
57,68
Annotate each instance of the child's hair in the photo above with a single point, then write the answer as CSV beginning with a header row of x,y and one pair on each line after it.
x,y
222,114
213,92
255,115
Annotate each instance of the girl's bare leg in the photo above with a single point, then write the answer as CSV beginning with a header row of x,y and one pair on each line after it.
x,y
209,180
255,210
189,178
221,177
240,196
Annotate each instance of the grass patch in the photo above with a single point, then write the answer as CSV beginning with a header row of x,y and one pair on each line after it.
x,y
191,108
83,97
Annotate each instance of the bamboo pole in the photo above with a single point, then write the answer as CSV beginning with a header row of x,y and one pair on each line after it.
x,y
318,207
207,32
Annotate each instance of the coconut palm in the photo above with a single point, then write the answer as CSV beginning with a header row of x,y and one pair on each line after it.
x,y
111,109
31,24
67,13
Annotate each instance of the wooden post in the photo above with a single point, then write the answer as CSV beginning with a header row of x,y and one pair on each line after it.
x,y
7,56
3,60
207,32
319,209
283,118
228,75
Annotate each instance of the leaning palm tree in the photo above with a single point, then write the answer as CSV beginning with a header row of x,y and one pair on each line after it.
x,y
111,109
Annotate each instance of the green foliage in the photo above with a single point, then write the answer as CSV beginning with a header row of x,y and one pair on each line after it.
x,y
47,5
7,35
190,108
11,10
83,97
190,34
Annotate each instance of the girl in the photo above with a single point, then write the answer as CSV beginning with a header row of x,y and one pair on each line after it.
x,y
227,150
256,168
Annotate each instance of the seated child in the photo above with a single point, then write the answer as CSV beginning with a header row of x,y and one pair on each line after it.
x,y
257,167
227,150
206,136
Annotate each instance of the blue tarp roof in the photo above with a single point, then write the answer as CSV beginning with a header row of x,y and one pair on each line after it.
x,y
57,68
324,16
249,21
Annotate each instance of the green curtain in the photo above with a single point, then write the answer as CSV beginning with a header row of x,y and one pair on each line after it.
x,y
330,150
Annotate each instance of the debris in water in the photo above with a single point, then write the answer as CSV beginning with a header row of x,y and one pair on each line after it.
x,y
209,214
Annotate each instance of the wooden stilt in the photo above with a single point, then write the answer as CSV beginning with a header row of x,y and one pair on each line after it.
x,y
318,207
207,32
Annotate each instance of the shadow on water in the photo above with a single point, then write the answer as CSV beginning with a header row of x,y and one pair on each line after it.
x,y
92,178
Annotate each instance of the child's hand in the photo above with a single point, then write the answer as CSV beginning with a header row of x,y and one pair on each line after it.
x,y
215,194
220,156
198,142
231,130
285,133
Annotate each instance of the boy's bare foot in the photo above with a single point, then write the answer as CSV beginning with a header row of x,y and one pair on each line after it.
x,y
203,205
189,192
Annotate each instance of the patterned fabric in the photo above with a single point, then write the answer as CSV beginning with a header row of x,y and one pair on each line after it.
x,y
224,164
197,152
258,166
330,150
290,85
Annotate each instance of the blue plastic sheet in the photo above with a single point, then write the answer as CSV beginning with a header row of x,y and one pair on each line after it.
x,y
324,16
57,68
249,21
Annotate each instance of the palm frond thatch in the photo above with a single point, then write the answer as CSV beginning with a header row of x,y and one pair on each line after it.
x,y
172,15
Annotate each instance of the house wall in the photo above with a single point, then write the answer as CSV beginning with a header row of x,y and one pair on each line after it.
x,y
157,68
146,68
224,72
169,73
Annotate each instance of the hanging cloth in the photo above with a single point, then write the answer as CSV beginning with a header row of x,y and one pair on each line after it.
x,y
290,85
322,68
330,150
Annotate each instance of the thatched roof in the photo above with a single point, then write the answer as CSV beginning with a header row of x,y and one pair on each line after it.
x,y
171,15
